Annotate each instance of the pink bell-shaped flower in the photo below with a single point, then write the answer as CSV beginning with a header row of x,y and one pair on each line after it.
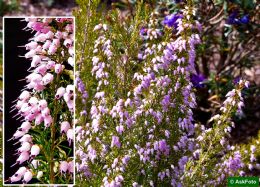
x,y
64,127
60,92
27,176
35,150
24,156
63,166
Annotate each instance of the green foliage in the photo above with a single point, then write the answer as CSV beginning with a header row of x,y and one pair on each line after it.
x,y
8,6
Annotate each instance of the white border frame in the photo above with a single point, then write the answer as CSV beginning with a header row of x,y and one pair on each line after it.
x,y
3,124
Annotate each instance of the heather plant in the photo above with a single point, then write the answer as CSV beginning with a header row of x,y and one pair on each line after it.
x,y
46,105
135,102
231,32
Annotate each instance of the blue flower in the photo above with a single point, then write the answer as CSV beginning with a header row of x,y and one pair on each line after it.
x,y
171,20
232,19
245,19
197,80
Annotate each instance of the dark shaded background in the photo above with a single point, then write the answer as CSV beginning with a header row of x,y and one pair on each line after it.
x,y
14,69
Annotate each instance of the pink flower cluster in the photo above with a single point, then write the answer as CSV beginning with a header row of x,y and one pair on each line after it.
x,y
23,174
51,51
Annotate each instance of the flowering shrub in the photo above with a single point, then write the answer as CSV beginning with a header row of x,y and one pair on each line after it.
x,y
46,105
135,102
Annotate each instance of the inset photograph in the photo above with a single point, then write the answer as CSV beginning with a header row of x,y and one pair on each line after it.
x,y
38,141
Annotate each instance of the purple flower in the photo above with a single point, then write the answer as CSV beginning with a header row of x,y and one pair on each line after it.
x,y
197,80
236,80
143,31
235,163
166,102
171,20
115,142
125,159
163,147
120,129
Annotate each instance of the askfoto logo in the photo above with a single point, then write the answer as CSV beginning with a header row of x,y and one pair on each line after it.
x,y
243,182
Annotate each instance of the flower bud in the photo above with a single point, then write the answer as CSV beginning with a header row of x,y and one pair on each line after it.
x,y
39,174
35,150
120,129
105,27
97,27
35,163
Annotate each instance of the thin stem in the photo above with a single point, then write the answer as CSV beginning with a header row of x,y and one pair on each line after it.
x,y
51,153
85,36
53,131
